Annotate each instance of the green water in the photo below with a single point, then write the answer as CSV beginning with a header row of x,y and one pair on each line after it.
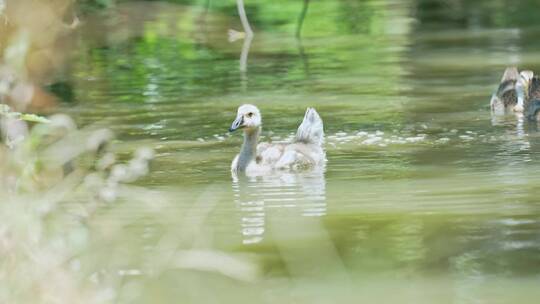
x,y
425,197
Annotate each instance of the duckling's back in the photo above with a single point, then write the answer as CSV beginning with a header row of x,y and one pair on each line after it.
x,y
505,96
507,92
304,152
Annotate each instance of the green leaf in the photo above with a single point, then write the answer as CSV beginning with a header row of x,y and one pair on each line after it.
x,y
34,118
5,110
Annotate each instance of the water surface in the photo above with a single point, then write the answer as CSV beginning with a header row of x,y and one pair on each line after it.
x,y
425,197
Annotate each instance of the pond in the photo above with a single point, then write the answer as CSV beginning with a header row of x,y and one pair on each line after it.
x,y
425,198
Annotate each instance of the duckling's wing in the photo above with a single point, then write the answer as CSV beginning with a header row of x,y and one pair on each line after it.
x,y
506,86
504,97
506,91
300,156
311,129
268,154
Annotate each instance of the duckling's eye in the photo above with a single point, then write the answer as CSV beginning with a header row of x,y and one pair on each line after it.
x,y
249,114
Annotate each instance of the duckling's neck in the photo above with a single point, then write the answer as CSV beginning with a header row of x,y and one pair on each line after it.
x,y
249,148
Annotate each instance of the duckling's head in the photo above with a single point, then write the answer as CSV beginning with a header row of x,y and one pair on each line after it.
x,y
248,118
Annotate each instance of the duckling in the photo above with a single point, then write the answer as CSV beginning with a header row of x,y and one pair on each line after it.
x,y
522,90
505,98
305,151
531,100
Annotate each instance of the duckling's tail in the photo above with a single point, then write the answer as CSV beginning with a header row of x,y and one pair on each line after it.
x,y
311,129
510,73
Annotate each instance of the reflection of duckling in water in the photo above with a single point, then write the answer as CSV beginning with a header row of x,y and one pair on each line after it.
x,y
304,152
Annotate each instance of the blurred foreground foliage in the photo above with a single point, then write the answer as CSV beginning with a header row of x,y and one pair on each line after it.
x,y
58,181
47,162
63,186
52,164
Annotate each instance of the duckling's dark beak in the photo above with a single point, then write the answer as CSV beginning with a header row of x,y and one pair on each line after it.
x,y
237,124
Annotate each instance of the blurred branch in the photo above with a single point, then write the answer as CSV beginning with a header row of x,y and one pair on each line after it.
x,y
201,21
303,55
245,52
298,35
301,18
247,42
243,18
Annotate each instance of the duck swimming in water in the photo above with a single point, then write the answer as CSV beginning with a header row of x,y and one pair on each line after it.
x,y
513,92
305,151
529,97
506,97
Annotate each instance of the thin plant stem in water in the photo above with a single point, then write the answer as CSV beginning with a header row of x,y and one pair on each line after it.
x,y
301,18
247,43
298,36
202,22
303,56
243,18
243,61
